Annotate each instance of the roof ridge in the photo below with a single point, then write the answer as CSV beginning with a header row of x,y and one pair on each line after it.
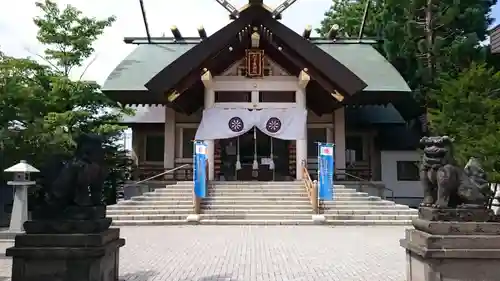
x,y
197,40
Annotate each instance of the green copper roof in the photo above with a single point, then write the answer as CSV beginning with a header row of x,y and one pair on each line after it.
x,y
149,59
141,65
369,65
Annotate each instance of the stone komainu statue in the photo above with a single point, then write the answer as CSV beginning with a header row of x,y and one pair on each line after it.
x,y
76,182
445,184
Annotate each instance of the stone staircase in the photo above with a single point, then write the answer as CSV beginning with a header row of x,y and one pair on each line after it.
x,y
163,206
259,203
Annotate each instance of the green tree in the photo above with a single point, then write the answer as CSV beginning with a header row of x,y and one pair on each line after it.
x,y
44,110
468,109
348,15
436,47
451,40
68,35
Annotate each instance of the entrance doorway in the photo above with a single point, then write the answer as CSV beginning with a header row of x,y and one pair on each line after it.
x,y
262,145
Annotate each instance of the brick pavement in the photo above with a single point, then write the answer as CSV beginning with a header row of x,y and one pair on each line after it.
x,y
246,253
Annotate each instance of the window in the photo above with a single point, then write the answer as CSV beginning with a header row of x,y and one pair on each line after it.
x,y
276,96
188,135
314,135
155,145
232,96
408,171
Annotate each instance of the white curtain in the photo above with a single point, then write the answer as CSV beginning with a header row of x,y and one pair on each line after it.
x,y
221,123
285,124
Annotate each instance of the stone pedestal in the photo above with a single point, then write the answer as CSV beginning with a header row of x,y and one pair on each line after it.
x,y
67,250
460,250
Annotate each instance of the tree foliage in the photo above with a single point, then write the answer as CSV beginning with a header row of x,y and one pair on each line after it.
x,y
458,26
68,35
468,108
43,110
436,47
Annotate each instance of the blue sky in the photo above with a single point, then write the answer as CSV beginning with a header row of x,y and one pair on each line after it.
x,y
496,13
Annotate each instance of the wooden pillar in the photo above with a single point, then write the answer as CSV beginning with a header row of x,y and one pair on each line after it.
x,y
209,101
301,144
340,147
169,139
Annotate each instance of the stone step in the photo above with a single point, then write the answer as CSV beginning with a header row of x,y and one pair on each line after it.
x,y
149,207
286,202
147,222
209,211
338,208
376,200
248,193
262,222
251,216
369,217
225,207
214,216
235,197
372,212
368,222
149,217
251,192
171,203
257,183
347,210
304,206
256,222
230,211
256,190
253,204
142,211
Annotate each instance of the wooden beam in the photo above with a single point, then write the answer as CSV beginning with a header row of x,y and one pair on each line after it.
x,y
282,7
202,32
307,32
175,31
332,33
233,12
304,78
207,79
337,96
173,96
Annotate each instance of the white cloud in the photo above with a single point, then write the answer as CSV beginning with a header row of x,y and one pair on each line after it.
x,y
18,33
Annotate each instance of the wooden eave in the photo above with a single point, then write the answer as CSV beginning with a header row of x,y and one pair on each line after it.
x,y
214,54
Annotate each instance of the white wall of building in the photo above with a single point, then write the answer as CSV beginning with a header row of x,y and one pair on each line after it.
x,y
409,192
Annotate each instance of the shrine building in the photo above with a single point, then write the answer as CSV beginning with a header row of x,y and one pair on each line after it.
x,y
262,96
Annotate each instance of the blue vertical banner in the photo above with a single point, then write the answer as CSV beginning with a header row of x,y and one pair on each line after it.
x,y
199,169
326,167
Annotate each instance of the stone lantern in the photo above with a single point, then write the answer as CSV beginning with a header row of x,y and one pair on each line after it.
x,y
21,181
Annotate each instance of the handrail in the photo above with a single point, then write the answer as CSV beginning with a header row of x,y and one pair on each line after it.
x,y
311,188
160,174
370,183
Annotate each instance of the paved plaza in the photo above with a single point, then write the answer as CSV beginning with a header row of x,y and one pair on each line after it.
x,y
258,253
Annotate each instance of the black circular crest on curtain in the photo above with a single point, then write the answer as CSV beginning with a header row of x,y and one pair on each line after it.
x,y
235,124
273,125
